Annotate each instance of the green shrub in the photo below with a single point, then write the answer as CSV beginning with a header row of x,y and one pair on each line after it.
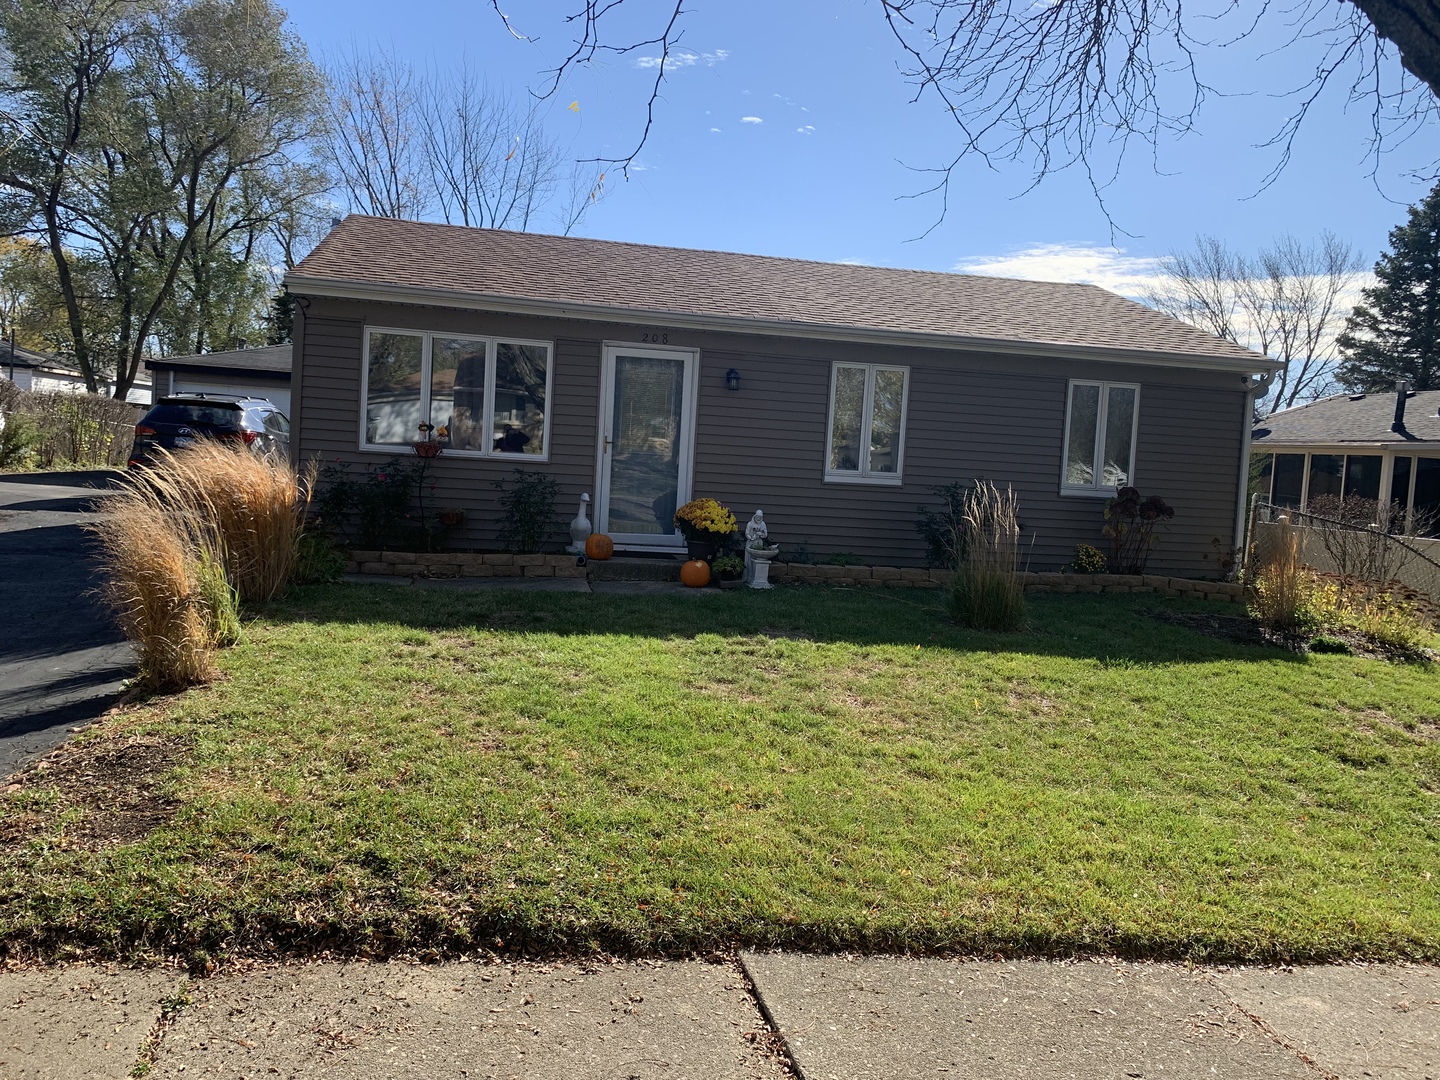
x,y
371,507
317,560
528,503
943,527
19,439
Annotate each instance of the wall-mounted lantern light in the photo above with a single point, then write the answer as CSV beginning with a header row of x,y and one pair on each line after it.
x,y
732,379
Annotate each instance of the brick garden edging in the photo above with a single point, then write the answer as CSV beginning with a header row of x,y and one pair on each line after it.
x,y
455,564
911,577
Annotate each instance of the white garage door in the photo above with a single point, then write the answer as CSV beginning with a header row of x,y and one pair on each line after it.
x,y
277,395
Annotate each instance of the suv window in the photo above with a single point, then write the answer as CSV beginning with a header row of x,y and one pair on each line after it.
x,y
213,415
276,424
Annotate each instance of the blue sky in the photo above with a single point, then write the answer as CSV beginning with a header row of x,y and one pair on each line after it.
x,y
790,131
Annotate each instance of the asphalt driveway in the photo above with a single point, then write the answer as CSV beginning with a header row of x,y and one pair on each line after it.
x,y
62,660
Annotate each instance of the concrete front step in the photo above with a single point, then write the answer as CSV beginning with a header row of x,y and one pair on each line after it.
x,y
622,568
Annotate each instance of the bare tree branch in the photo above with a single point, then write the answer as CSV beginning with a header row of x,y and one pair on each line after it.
x,y
1289,301
1074,83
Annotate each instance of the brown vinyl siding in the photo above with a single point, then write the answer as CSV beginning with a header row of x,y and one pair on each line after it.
x,y
763,446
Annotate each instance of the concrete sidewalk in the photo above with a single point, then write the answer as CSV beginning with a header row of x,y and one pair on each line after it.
x,y
872,1018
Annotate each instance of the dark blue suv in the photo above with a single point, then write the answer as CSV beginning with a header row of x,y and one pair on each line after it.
x,y
176,422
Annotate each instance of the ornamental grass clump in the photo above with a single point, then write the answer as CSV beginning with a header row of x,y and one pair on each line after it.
x,y
154,587
1280,590
190,539
248,508
986,593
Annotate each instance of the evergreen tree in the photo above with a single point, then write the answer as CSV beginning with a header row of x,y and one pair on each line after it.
x,y
281,320
1394,333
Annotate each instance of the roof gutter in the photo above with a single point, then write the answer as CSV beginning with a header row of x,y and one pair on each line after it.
x,y
1242,511
453,298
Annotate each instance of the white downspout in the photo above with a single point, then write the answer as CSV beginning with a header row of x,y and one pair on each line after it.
x,y
1242,509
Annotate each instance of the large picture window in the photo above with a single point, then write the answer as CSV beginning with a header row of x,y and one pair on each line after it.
x,y
1100,424
488,397
865,437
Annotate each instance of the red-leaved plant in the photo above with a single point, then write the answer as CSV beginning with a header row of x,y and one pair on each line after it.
x,y
1130,521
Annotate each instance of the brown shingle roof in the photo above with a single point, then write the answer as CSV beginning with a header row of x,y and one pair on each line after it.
x,y
607,279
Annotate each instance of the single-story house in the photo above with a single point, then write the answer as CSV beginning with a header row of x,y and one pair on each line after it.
x,y
1372,446
834,397
261,372
40,372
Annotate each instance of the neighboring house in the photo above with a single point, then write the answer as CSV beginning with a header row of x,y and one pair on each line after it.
x,y
1372,446
262,372
31,370
834,397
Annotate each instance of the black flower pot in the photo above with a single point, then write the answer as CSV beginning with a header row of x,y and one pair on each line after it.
x,y
702,549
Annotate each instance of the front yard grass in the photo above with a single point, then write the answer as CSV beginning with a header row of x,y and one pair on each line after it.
x,y
390,770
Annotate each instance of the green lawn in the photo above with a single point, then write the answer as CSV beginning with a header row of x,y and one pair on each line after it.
x,y
387,769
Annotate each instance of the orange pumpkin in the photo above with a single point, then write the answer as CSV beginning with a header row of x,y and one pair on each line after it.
x,y
598,546
695,573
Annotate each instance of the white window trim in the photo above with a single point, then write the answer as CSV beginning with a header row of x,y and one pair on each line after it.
x,y
1098,490
492,344
863,475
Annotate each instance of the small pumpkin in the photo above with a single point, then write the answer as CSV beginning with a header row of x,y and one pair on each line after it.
x,y
599,547
695,573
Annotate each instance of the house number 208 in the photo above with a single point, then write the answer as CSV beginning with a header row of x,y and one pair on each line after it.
x,y
655,337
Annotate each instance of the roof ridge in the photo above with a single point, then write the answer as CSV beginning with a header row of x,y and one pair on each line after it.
x,y
740,254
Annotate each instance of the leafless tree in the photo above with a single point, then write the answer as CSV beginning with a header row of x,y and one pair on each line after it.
x,y
442,144
1288,301
1074,82
374,146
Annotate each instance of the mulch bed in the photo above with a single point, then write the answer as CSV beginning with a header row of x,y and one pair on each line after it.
x,y
114,783
1243,630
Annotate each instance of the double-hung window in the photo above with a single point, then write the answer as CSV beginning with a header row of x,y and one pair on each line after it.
x,y
481,396
865,437
1100,424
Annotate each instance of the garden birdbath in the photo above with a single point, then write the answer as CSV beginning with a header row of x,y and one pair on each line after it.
x,y
757,566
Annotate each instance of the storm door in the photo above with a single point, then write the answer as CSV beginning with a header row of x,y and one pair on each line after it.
x,y
647,444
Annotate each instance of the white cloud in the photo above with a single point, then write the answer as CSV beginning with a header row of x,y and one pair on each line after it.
x,y
678,60
714,129
751,120
1084,264
808,129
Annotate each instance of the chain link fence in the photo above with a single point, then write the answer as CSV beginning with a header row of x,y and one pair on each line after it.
x,y
1368,553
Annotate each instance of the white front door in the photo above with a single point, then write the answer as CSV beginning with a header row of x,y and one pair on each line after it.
x,y
647,444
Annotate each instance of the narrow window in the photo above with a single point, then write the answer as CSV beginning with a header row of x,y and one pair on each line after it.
x,y
1400,491
1362,476
1100,423
1426,511
866,439
1262,469
1289,480
1325,473
522,386
457,390
393,388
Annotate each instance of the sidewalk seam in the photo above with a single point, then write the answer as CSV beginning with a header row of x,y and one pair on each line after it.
x,y
1280,1040
770,1017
